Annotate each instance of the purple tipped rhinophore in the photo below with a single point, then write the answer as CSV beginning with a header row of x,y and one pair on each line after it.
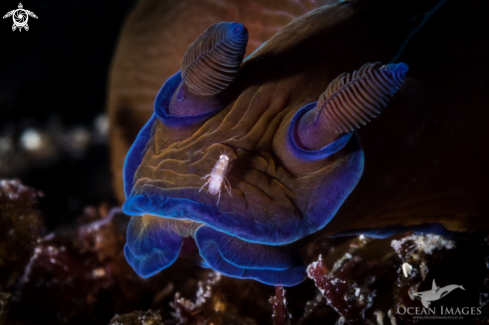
x,y
352,100
213,60
210,65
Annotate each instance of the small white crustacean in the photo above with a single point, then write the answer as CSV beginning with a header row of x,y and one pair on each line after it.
x,y
217,176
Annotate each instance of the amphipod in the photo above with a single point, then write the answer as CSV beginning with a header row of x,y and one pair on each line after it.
x,y
217,177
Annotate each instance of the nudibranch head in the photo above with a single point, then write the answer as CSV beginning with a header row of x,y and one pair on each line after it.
x,y
279,194
282,187
291,171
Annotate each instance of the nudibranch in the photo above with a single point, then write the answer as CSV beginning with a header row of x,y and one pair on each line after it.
x,y
424,167
291,169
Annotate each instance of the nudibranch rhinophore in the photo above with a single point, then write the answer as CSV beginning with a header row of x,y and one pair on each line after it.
x,y
291,170
287,118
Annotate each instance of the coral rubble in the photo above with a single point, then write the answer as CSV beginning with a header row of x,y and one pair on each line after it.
x,y
21,226
280,314
138,318
375,281
78,274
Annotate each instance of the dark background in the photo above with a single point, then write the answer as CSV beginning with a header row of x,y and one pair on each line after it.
x,y
59,69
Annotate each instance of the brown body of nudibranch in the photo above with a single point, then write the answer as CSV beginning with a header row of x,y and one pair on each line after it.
x,y
424,162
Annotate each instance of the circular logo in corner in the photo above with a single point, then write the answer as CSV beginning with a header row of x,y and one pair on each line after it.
x,y
20,16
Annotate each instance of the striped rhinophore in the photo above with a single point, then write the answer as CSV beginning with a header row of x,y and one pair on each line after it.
x,y
213,60
351,100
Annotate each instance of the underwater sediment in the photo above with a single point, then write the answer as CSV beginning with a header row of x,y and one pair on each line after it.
x,y
79,274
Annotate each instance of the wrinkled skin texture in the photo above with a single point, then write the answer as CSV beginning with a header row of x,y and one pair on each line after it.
x,y
153,43
434,172
264,208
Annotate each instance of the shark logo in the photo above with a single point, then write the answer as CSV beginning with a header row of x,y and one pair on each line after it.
x,y
435,293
